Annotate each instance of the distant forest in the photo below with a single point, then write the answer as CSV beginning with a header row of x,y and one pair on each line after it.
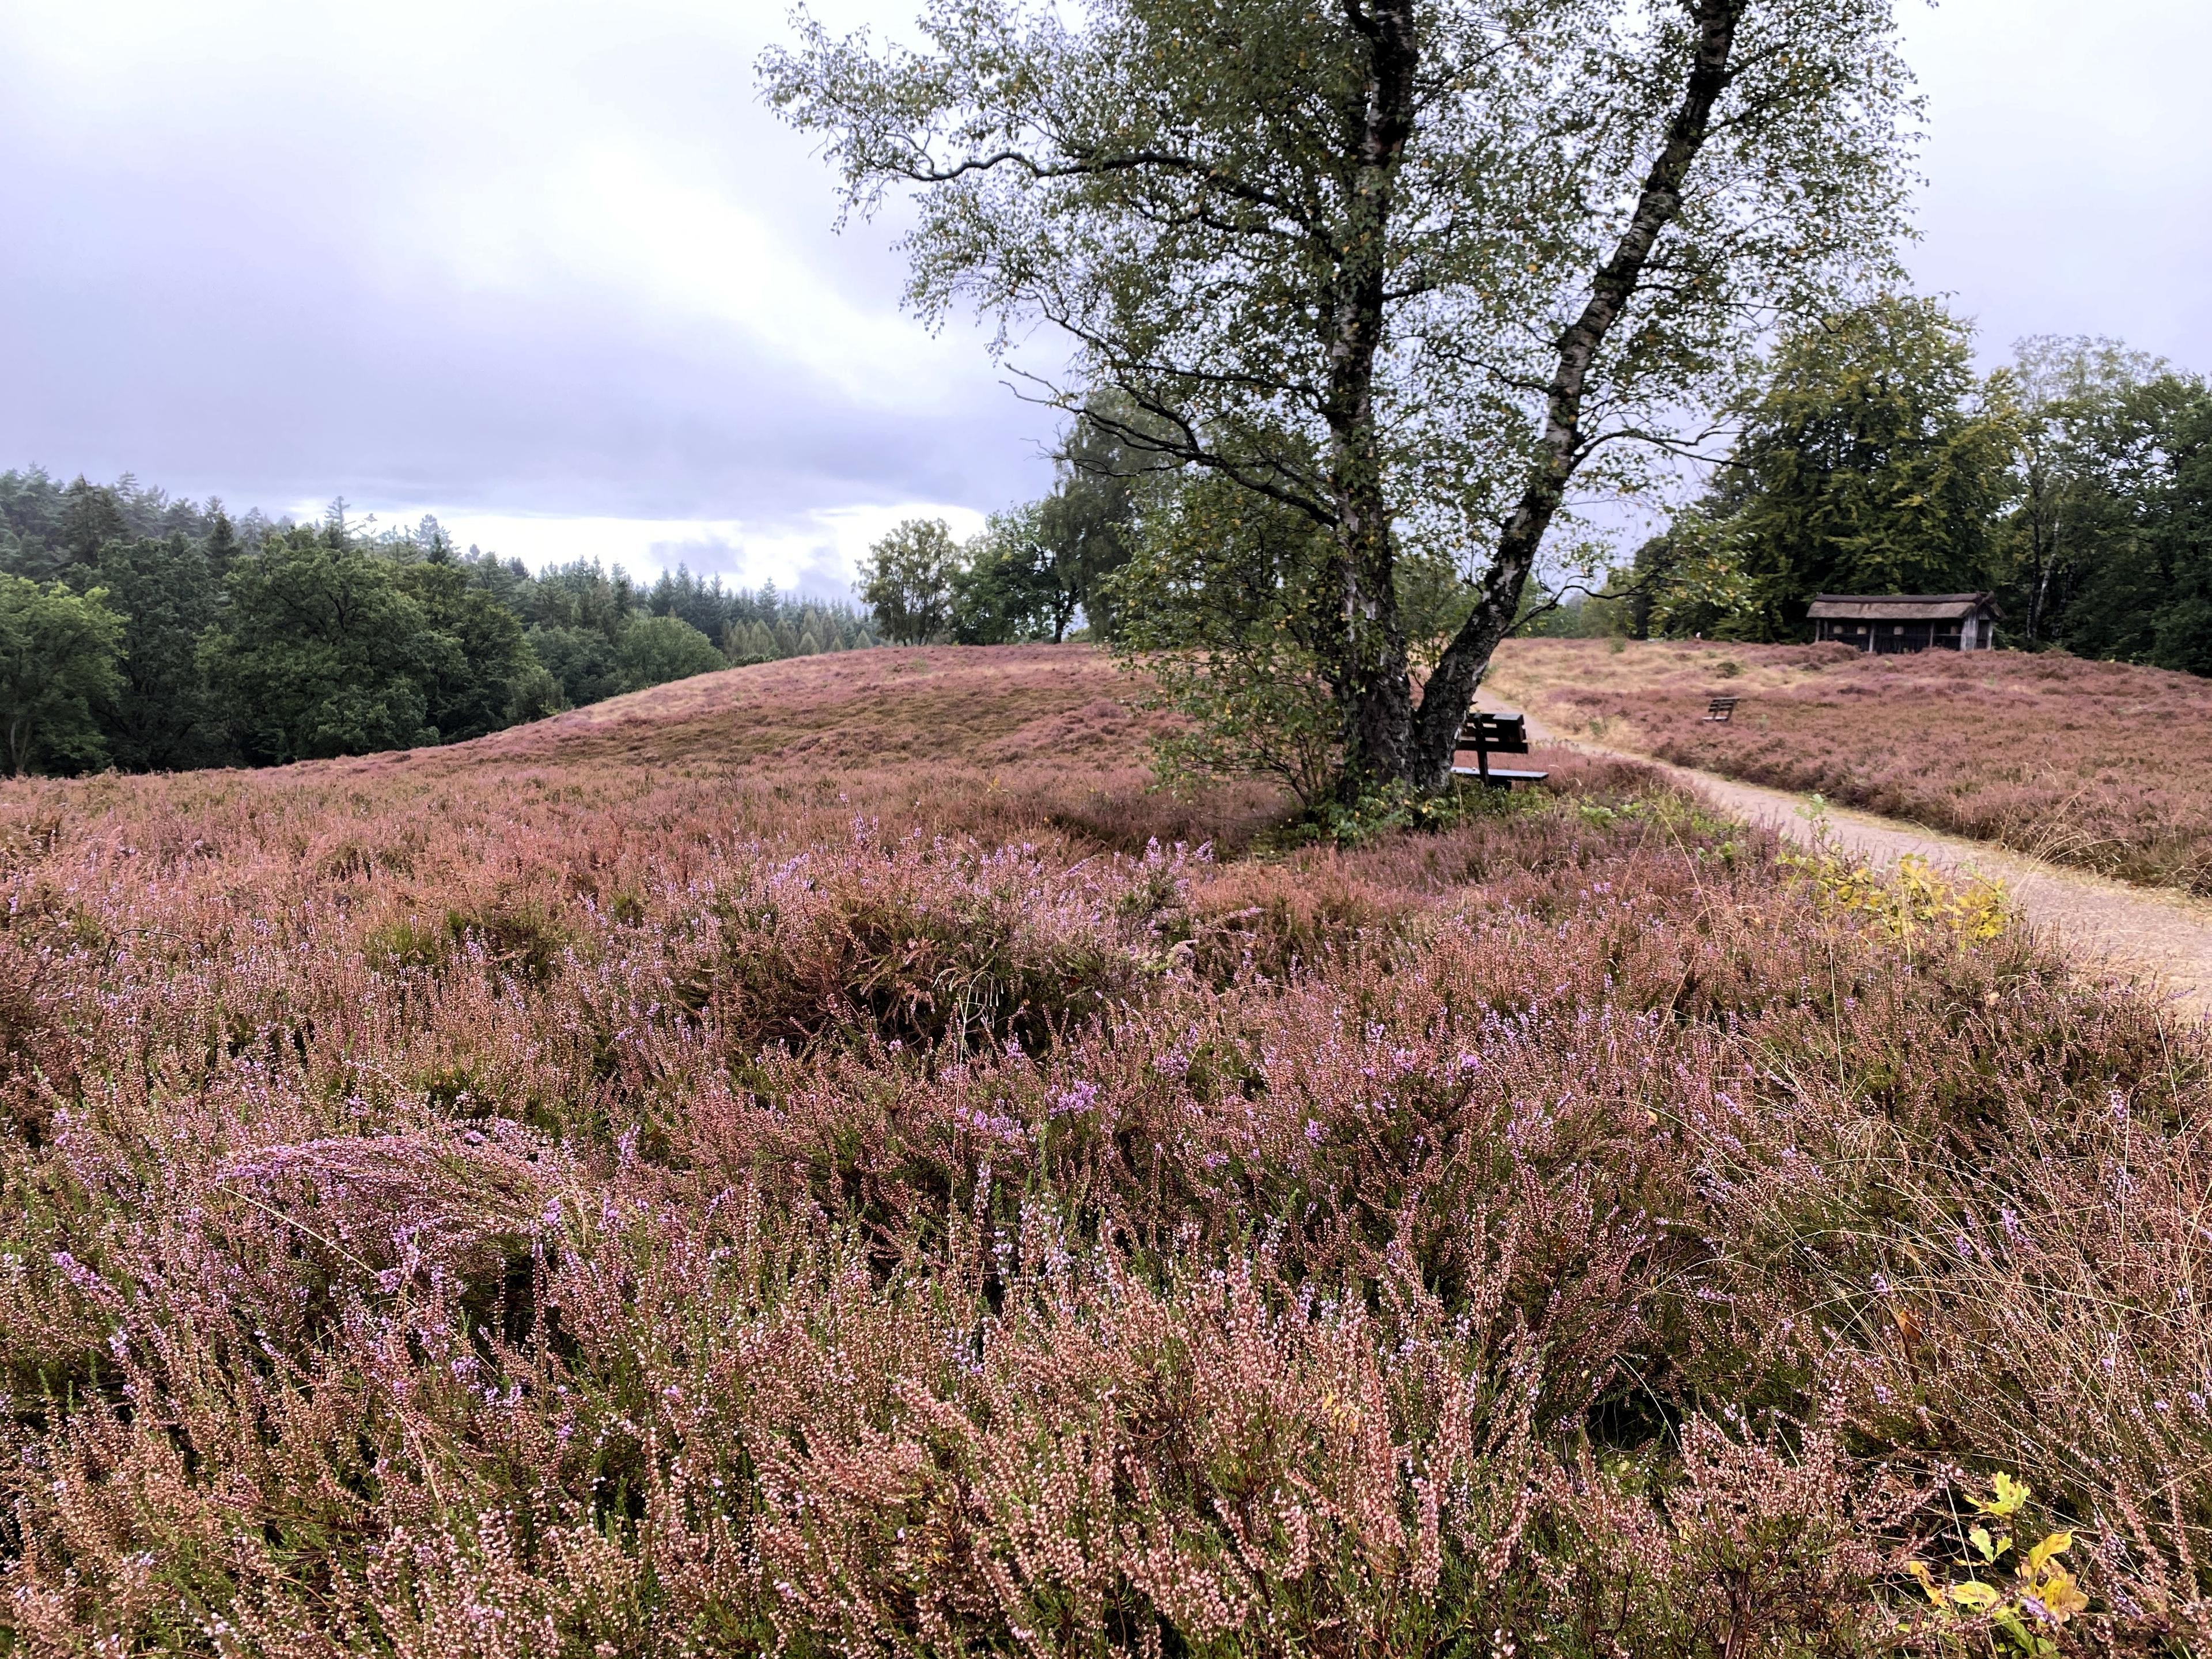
x,y
149,633
2074,483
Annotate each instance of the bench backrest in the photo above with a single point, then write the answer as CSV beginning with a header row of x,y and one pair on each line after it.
x,y
1720,708
1495,734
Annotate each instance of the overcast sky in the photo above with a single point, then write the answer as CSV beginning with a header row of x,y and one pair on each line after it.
x,y
548,270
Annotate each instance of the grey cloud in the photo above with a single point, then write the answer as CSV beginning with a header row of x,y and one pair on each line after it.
x,y
237,300
824,576
223,262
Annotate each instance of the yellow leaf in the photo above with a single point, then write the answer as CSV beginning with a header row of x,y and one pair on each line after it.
x,y
2056,1543
1978,1597
2061,1596
2011,1494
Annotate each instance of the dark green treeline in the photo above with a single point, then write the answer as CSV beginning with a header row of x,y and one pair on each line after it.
x,y
150,634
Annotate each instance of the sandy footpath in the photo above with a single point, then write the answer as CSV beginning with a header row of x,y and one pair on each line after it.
x,y
2165,936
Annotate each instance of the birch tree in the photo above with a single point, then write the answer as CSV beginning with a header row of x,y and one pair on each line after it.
x,y
1414,269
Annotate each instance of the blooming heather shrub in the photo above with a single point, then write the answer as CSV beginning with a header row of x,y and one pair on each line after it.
x,y
403,1204
1219,1456
27,1019
930,942
885,1216
2046,1316
1767,1541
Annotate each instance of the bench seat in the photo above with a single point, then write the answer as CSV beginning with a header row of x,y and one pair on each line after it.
x,y
1500,774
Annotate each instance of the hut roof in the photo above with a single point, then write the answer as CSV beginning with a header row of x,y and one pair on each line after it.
x,y
1901,607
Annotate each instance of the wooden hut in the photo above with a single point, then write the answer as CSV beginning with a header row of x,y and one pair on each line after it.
x,y
1891,622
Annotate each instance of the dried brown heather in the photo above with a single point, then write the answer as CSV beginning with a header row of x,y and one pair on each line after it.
x,y
818,1160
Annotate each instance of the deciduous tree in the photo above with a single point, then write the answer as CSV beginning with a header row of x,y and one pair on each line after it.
x,y
907,581
1875,461
2134,581
582,661
58,655
1038,568
1012,586
320,652
1407,268
654,650
1223,600
470,679
2180,529
2076,404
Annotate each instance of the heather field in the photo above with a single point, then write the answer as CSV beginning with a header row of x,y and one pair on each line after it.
x,y
2097,764
816,1159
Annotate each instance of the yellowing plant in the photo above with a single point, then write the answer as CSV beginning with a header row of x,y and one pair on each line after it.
x,y
1913,898
2043,1594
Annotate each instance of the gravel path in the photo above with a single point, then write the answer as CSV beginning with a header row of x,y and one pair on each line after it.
x,y
2165,938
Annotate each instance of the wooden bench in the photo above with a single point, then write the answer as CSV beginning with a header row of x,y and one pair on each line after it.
x,y
1495,734
1722,709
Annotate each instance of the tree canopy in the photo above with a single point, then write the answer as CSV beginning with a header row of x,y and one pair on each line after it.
x,y
907,579
2130,571
1873,460
476,653
2072,482
57,653
252,640
163,715
321,651
654,650
2086,408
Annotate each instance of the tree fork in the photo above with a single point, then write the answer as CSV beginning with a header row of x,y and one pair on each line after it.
x,y
1451,689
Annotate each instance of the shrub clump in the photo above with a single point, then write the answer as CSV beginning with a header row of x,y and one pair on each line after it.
x,y
933,943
